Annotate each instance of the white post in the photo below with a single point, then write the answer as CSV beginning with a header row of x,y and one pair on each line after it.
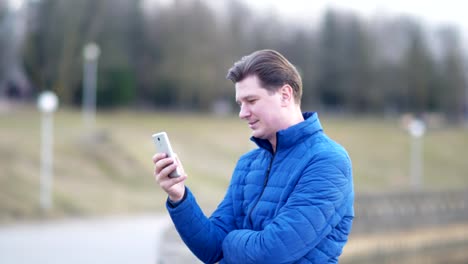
x,y
417,130
91,54
47,103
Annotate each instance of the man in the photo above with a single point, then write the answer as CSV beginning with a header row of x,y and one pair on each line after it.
x,y
290,200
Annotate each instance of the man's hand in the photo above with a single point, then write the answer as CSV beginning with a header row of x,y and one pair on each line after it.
x,y
163,166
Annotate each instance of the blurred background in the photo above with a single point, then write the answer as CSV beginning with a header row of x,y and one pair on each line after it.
x,y
388,78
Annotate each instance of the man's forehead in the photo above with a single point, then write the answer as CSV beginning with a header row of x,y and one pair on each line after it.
x,y
243,92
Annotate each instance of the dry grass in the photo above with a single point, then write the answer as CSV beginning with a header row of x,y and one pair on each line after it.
x,y
112,174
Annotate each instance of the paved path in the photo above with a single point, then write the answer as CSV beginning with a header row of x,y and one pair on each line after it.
x,y
174,251
111,240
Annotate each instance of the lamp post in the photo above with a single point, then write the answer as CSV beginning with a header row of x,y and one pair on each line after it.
x,y
91,54
47,104
417,128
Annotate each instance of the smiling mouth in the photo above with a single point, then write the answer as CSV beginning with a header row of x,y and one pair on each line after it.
x,y
252,123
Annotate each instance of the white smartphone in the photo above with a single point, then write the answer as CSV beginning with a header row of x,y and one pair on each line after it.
x,y
161,141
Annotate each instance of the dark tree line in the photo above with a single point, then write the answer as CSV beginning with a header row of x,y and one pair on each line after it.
x,y
176,56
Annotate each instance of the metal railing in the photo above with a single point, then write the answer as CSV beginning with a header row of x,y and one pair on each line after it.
x,y
375,213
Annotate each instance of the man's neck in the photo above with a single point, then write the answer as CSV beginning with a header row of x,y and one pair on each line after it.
x,y
292,118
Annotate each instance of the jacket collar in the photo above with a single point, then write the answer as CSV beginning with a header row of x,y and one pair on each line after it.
x,y
294,134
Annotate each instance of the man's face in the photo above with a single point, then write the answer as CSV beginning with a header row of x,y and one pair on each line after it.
x,y
259,107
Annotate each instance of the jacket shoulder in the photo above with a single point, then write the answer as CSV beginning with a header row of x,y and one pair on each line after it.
x,y
250,156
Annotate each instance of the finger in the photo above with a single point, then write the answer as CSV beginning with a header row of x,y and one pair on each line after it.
x,y
159,156
162,163
179,179
164,173
170,182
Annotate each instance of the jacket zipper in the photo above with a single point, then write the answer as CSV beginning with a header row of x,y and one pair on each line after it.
x,y
265,182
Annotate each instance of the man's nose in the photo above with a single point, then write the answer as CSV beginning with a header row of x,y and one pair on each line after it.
x,y
244,112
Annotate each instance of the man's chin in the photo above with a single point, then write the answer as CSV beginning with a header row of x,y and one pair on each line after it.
x,y
257,134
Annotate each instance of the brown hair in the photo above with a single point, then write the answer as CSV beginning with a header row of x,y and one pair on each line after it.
x,y
272,69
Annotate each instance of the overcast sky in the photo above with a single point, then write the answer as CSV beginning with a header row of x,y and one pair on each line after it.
x,y
430,11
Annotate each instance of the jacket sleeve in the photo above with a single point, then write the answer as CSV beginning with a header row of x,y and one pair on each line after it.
x,y
202,235
313,209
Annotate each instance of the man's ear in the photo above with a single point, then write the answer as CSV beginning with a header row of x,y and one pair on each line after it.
x,y
286,93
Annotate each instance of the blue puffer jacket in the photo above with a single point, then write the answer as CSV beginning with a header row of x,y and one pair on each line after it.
x,y
291,206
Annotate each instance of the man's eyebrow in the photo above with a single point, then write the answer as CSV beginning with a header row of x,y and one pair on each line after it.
x,y
247,97
244,98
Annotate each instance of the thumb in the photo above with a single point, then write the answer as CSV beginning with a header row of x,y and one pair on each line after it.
x,y
178,162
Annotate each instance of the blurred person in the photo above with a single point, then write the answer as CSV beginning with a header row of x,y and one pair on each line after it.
x,y
290,200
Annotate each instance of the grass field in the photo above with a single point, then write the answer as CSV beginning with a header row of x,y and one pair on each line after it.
x,y
112,173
